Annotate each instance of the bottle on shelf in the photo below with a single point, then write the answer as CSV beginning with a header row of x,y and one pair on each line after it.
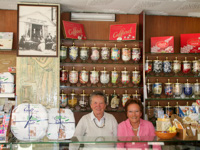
x,y
167,66
168,89
136,77
83,101
105,53
84,53
157,89
63,75
107,100
125,77
157,66
187,89
186,66
158,111
94,77
73,100
177,90
149,89
95,54
63,53
115,77
115,53
197,89
126,54
136,54
176,66
148,66
114,102
104,77
176,108
73,53
73,76
195,66
84,76
150,112
169,110
63,99
136,96
125,97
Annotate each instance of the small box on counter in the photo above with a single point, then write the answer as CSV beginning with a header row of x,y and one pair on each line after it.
x,y
73,30
6,40
190,43
163,44
123,31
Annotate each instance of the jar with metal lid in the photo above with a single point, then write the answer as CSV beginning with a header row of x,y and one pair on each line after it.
x,y
197,89
105,53
187,89
176,108
167,66
169,110
126,54
63,75
73,52
149,89
136,77
95,53
136,96
104,77
136,54
186,66
63,99
125,98
177,90
168,89
63,53
125,77
94,77
84,53
176,66
72,102
195,66
114,102
84,77
157,66
158,111
148,66
73,76
107,100
157,89
150,111
115,77
115,53
83,101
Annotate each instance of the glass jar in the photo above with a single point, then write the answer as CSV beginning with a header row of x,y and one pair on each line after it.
x,y
187,89
115,77
176,108
83,101
125,98
115,53
114,102
63,99
73,52
158,111
168,89
136,77
84,53
195,66
126,54
105,53
177,89
169,110
157,66
73,76
176,66
186,66
104,77
63,53
167,66
136,96
72,102
95,53
107,100
63,75
149,89
197,89
150,112
157,89
94,77
148,66
83,77
136,54
125,77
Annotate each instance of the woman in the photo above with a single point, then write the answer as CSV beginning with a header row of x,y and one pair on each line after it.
x,y
135,128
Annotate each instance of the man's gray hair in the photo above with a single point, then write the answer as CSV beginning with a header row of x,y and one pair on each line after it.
x,y
97,93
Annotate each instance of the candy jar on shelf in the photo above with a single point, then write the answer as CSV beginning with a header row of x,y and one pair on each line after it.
x,y
72,102
186,66
177,90
136,96
63,75
187,89
125,98
63,99
107,100
94,77
83,101
197,89
73,52
157,66
73,76
167,66
149,89
136,77
169,110
104,77
125,77
63,53
95,53
126,54
150,112
158,111
114,102
115,53
105,53
168,89
176,66
83,77
115,77
148,66
136,54
157,89
84,53
176,108
195,66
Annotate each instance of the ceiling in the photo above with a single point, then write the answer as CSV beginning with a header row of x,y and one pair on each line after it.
x,y
151,7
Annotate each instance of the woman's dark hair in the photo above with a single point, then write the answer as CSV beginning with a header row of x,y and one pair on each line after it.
x,y
131,101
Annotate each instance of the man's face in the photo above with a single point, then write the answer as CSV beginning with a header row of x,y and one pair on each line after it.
x,y
98,105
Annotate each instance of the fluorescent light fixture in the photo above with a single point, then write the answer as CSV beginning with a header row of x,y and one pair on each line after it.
x,y
92,17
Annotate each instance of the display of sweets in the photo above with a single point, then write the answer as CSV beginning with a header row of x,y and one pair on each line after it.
x,y
136,54
115,77
136,77
148,66
73,100
94,77
157,66
73,76
63,53
63,75
84,53
115,53
197,89
168,89
186,66
187,89
157,88
177,90
104,77
105,53
136,96
63,99
196,66
114,102
149,89
83,100
176,66
83,76
125,98
167,66
126,54
125,77
73,52
95,54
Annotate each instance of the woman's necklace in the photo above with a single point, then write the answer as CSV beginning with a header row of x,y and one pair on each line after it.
x,y
135,129
99,126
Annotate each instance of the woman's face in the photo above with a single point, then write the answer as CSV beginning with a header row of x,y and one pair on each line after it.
x,y
134,113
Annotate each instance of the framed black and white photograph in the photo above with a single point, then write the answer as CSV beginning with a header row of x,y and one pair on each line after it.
x,y
37,30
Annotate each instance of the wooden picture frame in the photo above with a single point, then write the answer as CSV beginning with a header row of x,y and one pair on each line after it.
x,y
37,30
